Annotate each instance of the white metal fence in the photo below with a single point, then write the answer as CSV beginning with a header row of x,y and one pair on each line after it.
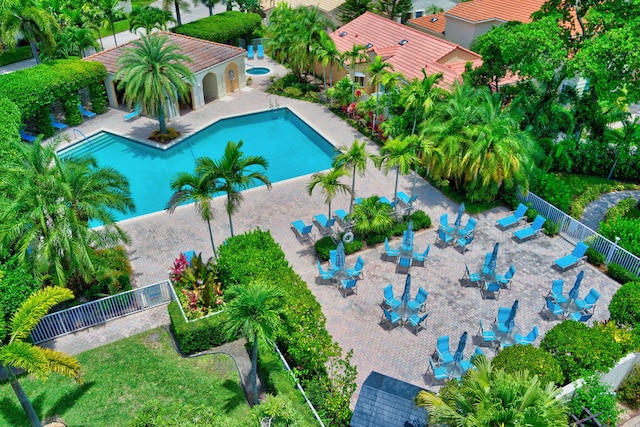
x,y
574,231
95,312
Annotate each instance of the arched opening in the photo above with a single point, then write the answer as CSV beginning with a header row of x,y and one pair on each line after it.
x,y
210,87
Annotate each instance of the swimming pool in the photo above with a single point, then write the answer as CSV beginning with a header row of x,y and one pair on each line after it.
x,y
291,147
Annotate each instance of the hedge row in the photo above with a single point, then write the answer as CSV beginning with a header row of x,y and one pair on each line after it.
x,y
9,127
226,27
196,336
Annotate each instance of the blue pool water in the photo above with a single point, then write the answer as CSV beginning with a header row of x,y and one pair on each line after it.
x,y
291,147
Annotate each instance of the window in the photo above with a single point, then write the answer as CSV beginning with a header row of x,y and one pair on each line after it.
x,y
419,13
359,78
342,34
232,75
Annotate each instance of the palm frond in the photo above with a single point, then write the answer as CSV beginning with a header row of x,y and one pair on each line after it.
x,y
63,364
28,357
34,308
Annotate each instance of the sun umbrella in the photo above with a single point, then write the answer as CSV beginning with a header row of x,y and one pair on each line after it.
x,y
459,354
460,213
340,257
494,257
510,323
575,291
407,237
406,295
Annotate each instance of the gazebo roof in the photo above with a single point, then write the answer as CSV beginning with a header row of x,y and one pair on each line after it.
x,y
204,54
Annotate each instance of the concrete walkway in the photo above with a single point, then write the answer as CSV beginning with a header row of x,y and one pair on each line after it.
x,y
595,212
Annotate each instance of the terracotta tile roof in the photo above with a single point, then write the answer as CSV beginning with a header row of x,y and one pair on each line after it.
x,y
434,23
503,10
420,51
203,53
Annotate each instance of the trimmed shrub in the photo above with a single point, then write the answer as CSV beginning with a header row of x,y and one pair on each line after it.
x,y
326,244
551,188
226,27
16,284
621,274
625,305
9,130
581,350
621,209
535,360
199,335
550,228
420,220
594,257
598,398
531,213
15,55
629,391
628,229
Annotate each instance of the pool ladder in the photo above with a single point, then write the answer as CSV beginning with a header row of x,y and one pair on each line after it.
x,y
275,105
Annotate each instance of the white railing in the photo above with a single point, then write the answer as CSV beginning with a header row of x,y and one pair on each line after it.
x,y
574,231
96,312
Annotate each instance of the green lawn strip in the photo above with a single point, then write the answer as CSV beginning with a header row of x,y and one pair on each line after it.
x,y
140,3
121,377
15,55
120,26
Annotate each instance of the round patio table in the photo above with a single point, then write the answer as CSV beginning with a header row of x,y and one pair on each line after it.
x,y
570,307
339,276
454,370
506,337
404,311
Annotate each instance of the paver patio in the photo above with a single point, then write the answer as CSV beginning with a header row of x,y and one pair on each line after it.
x,y
354,321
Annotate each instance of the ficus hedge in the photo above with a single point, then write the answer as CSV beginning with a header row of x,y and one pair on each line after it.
x,y
226,27
9,127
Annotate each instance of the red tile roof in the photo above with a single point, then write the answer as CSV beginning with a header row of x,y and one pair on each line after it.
x,y
420,51
503,10
434,23
203,53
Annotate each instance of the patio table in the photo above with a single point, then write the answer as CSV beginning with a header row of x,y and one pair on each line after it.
x,y
339,276
454,370
408,252
404,312
508,337
571,306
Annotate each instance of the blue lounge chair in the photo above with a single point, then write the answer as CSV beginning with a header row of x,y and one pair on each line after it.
x,y
418,303
529,338
386,201
391,317
356,271
134,114
260,51
487,336
420,258
26,137
405,199
418,322
589,302
505,281
390,253
513,219
349,285
389,299
552,308
443,349
324,223
574,258
86,113
440,372
341,215
404,265
303,231
472,278
556,292
444,237
530,232
57,124
325,275
250,53
444,224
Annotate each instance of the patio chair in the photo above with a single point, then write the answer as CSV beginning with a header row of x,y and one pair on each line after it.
x,y
260,51
552,308
26,137
574,258
85,113
501,319
419,258
356,271
530,232
405,199
389,300
444,237
391,318
56,124
444,224
341,216
487,336
250,53
387,201
404,265
357,200
349,285
419,302
442,349
474,279
323,223
133,114
581,317
440,373
529,338
485,266
465,243
303,230
390,253
505,281
468,364
513,219
491,289
418,322
589,302
467,231
189,255
325,275
556,292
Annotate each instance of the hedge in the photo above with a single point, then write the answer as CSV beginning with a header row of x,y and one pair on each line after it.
x,y
34,90
625,305
9,130
621,274
535,360
196,336
226,27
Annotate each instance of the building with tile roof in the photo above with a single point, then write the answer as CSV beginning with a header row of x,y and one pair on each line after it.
x,y
329,8
218,68
407,49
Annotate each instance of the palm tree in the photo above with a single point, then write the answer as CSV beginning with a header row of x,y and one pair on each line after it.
x,y
199,190
34,23
623,139
153,75
330,185
256,314
177,4
17,352
234,172
324,54
73,41
488,397
357,53
354,157
420,96
149,18
372,216
210,4
399,154
112,12
376,70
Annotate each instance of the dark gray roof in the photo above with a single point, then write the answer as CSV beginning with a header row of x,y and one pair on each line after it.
x,y
387,402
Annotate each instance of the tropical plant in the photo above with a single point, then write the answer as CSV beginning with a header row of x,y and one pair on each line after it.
x,y
355,158
377,69
393,8
210,4
73,41
329,183
326,53
623,139
196,188
254,313
535,360
153,75
598,398
111,11
625,305
357,53
17,352
351,9
149,18
177,4
491,397
233,173
398,154
420,96
371,216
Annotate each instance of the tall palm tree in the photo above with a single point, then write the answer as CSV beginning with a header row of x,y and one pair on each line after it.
x,y
112,11
34,23
354,157
73,41
329,184
256,314
233,173
624,139
149,18
420,96
372,216
376,70
357,53
488,397
324,54
398,154
153,75
177,4
198,189
17,352
210,4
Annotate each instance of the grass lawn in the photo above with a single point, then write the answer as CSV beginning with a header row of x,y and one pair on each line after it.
x,y
120,26
121,377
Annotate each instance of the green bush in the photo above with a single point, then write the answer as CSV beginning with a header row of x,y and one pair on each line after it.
x,y
628,229
621,274
535,360
226,27
629,391
9,131
581,350
551,188
198,335
16,284
621,209
551,228
15,55
531,213
420,220
375,239
398,229
598,398
326,244
595,258
624,307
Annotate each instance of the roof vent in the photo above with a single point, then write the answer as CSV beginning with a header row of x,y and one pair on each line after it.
x,y
369,45
403,42
342,34
433,19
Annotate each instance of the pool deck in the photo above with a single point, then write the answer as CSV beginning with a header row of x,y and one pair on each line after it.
x,y
354,321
